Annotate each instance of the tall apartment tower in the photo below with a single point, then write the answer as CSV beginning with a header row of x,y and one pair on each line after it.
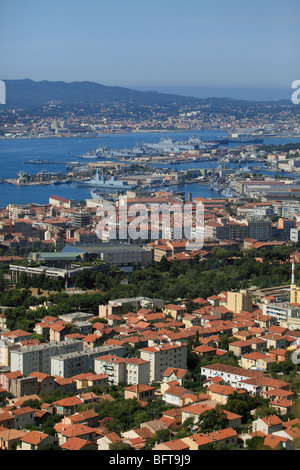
x,y
239,301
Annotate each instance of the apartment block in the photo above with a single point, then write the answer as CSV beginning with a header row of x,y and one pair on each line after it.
x,y
230,374
163,356
133,371
74,363
6,347
282,311
239,301
38,358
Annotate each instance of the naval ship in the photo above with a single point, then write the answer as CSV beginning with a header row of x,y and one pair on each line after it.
x,y
99,181
171,145
100,152
245,138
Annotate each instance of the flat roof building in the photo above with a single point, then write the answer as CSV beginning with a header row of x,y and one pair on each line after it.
x,y
74,363
38,358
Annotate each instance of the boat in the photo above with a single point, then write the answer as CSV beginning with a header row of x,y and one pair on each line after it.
x,y
215,186
245,138
168,145
99,181
36,161
100,152
227,193
244,169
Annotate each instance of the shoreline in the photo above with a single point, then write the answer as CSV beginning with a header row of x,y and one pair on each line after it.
x,y
145,131
106,134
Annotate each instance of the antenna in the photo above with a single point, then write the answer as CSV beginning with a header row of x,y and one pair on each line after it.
x,y
293,270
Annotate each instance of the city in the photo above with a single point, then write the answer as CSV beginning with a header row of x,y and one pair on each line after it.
x,y
149,240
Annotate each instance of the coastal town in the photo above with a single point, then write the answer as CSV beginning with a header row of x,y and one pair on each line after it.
x,y
120,344
150,230
56,119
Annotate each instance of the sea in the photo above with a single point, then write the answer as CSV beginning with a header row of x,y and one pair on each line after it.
x,y
61,151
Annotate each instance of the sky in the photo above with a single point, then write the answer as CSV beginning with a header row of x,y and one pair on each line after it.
x,y
244,48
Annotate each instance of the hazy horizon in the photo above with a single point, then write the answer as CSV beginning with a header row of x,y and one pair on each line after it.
x,y
246,49
247,94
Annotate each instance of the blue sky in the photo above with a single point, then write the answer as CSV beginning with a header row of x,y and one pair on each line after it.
x,y
168,45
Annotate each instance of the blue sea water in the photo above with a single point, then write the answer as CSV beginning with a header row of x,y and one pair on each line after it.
x,y
13,152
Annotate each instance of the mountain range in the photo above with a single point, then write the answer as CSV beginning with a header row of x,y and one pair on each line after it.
x,y
27,93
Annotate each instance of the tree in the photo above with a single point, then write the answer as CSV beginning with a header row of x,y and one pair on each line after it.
x,y
163,435
264,411
140,416
286,367
2,283
188,424
164,264
50,446
120,446
84,280
197,341
255,443
238,407
213,420
32,403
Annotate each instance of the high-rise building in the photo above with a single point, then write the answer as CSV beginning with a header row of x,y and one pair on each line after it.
x,y
239,301
81,219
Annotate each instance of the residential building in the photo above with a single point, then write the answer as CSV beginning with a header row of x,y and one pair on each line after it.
x,y
34,440
267,425
163,356
239,301
74,363
38,358
121,370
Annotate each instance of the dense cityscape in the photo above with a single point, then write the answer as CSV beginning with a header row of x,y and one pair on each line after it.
x,y
150,233
147,344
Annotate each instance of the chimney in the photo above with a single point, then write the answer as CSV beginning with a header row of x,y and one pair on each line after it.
x,y
293,270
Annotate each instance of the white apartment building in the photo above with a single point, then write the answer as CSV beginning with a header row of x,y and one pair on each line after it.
x,y
132,371
295,235
6,347
138,302
230,374
113,366
162,356
75,316
74,363
282,311
38,358
288,210
137,371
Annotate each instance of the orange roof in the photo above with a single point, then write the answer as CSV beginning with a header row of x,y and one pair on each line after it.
x,y
34,437
177,444
221,389
177,372
222,434
272,420
69,401
75,443
77,429
140,388
273,440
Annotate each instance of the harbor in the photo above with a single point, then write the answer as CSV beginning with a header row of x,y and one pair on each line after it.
x,y
187,168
